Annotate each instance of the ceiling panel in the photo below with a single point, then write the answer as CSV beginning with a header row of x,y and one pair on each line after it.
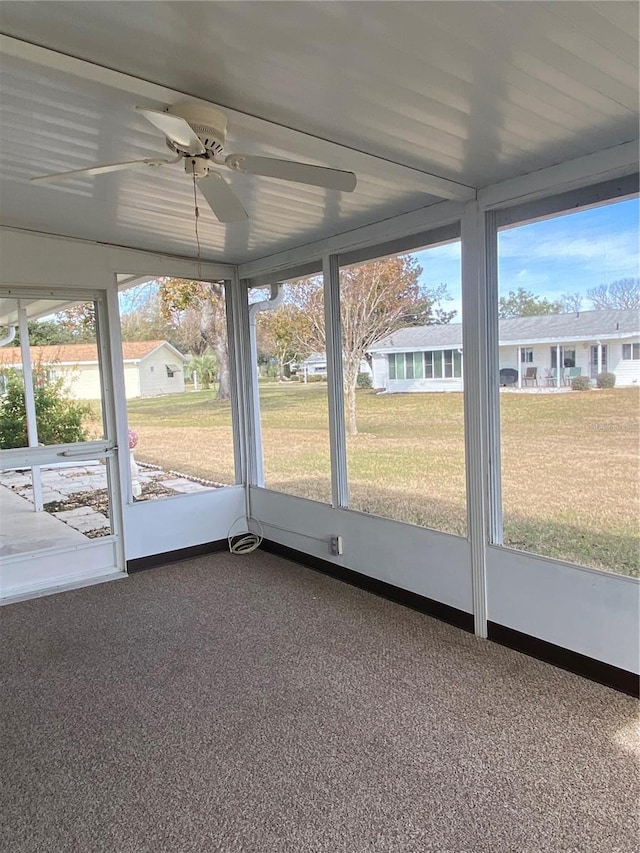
x,y
474,92
53,122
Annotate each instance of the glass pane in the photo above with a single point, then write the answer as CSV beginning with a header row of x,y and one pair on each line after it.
x,y
66,386
65,396
418,364
437,364
569,447
294,411
177,383
76,506
405,447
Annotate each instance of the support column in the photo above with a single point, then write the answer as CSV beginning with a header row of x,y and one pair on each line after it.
x,y
335,383
481,397
519,367
559,367
30,405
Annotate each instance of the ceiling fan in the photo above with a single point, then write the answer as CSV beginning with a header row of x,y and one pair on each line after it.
x,y
196,134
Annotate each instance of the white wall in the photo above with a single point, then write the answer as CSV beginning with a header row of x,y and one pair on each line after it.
x,y
168,524
435,565
627,371
153,374
131,381
590,612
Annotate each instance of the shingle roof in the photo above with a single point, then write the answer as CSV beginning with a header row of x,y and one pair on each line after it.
x,y
79,353
550,328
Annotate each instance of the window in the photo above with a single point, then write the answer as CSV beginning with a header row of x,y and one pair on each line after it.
x,y
526,355
405,448
569,458
293,390
567,357
180,412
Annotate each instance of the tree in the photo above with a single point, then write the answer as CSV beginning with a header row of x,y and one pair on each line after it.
x,y
428,311
79,322
571,302
621,294
523,303
376,298
284,333
205,368
45,333
184,300
59,419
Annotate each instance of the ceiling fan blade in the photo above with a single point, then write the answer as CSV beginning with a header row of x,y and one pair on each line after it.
x,y
221,198
287,170
176,129
101,170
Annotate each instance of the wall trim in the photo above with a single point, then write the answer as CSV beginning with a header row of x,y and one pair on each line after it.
x,y
152,561
590,668
444,612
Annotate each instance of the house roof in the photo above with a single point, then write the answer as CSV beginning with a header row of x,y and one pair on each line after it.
x,y
550,328
83,353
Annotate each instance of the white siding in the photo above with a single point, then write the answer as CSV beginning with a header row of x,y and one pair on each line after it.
x,y
131,380
627,371
82,382
153,374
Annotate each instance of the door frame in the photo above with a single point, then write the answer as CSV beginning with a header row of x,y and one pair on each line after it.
x,y
37,572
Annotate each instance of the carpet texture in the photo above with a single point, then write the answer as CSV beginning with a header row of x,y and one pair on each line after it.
x,y
247,704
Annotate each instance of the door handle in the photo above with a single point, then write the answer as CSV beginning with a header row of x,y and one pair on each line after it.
x,y
90,452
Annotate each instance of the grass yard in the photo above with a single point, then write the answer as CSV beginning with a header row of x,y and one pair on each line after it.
x,y
569,461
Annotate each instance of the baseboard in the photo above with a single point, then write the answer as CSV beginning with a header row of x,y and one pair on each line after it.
x,y
163,559
430,606
595,670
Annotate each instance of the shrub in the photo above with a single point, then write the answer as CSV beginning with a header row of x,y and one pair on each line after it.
x,y
316,377
364,380
606,380
581,383
59,418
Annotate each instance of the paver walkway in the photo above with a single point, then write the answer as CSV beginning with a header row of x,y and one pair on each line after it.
x,y
69,483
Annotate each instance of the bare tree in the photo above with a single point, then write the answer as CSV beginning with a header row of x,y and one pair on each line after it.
x,y
571,302
624,293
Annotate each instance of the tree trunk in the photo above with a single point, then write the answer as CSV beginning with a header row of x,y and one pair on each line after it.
x,y
224,382
350,415
351,368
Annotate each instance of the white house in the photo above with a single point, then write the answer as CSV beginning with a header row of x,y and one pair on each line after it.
x,y
316,365
151,368
429,358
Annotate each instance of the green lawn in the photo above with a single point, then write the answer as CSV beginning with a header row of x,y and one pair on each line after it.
x,y
569,461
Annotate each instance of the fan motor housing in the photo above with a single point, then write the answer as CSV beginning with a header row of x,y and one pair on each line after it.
x,y
208,123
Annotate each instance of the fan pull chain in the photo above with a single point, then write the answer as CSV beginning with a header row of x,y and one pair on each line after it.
x,y
197,217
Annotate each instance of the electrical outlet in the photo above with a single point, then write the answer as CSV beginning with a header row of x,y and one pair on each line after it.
x,y
335,546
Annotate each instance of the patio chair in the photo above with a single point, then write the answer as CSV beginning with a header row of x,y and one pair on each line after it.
x,y
530,376
571,375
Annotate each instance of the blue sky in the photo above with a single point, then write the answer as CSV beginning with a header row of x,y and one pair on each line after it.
x,y
563,254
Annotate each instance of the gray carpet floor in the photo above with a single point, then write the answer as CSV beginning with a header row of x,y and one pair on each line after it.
x,y
249,704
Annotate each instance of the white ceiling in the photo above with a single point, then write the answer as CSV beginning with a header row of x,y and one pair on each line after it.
x,y
474,92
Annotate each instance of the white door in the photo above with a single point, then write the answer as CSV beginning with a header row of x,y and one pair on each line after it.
x,y
60,511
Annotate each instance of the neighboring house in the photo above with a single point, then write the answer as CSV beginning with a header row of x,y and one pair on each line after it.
x,y
150,367
429,358
316,365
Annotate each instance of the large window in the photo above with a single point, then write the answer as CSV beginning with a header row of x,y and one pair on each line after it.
x,y
569,442
177,384
405,444
292,381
